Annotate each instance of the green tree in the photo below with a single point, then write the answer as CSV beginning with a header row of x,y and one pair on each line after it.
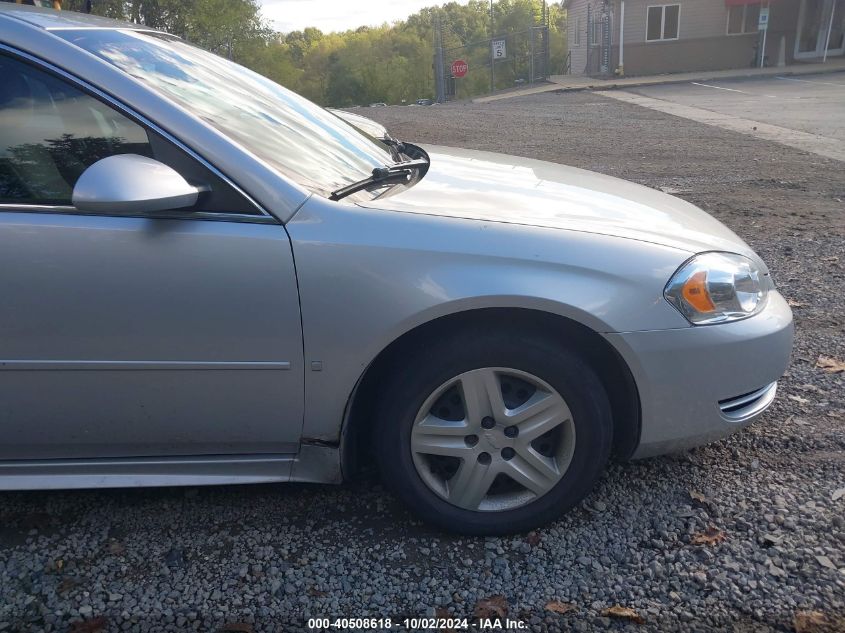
x,y
391,63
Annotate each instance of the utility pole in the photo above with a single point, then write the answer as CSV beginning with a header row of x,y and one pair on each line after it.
x,y
541,67
532,33
439,78
548,68
492,35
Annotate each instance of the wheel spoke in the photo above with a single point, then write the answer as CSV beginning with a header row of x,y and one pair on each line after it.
x,y
469,486
432,425
533,471
482,395
543,412
446,445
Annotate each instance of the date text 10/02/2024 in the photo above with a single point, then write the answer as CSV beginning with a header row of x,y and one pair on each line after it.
x,y
416,624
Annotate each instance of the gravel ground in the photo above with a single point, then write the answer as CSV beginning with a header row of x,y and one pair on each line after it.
x,y
746,534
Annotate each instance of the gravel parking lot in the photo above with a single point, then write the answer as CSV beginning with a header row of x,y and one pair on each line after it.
x,y
747,534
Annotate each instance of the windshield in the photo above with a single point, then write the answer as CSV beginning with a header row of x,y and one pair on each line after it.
x,y
301,140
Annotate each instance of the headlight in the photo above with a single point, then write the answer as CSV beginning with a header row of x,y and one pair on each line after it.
x,y
717,287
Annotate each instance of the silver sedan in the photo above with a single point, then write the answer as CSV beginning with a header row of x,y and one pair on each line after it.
x,y
208,279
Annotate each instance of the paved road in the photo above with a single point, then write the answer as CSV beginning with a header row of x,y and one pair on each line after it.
x,y
811,103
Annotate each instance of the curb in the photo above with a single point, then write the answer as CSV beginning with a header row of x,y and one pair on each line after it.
x,y
611,85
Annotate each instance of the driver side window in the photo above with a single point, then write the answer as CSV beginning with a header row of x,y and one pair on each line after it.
x,y
51,132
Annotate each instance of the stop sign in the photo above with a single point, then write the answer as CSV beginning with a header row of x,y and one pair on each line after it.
x,y
459,68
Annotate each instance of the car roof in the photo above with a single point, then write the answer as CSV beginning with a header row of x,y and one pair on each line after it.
x,y
51,20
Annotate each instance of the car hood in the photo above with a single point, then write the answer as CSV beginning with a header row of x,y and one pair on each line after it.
x,y
365,124
498,188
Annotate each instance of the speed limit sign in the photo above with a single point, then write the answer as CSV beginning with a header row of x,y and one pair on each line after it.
x,y
499,50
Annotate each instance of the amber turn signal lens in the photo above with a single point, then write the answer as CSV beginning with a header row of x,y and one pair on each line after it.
x,y
717,287
695,292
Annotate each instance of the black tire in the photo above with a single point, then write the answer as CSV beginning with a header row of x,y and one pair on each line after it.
x,y
419,371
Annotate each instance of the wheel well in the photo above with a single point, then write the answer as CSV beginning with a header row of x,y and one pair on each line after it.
x,y
609,365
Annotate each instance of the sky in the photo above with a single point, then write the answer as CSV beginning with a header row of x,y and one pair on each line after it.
x,y
339,15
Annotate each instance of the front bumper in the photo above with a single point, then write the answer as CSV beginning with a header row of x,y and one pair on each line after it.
x,y
700,383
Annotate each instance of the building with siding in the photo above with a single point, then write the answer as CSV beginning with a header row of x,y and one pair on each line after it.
x,y
643,37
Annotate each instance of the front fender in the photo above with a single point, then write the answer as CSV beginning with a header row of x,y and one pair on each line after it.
x,y
366,277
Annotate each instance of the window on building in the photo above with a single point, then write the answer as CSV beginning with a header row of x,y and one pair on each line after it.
x,y
743,19
595,31
663,22
577,31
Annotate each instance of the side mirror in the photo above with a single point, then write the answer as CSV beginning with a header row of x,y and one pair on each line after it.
x,y
129,183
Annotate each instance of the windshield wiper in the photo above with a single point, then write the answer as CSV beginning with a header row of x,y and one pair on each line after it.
x,y
397,147
398,173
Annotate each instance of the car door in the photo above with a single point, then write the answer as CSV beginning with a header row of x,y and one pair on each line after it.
x,y
172,334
